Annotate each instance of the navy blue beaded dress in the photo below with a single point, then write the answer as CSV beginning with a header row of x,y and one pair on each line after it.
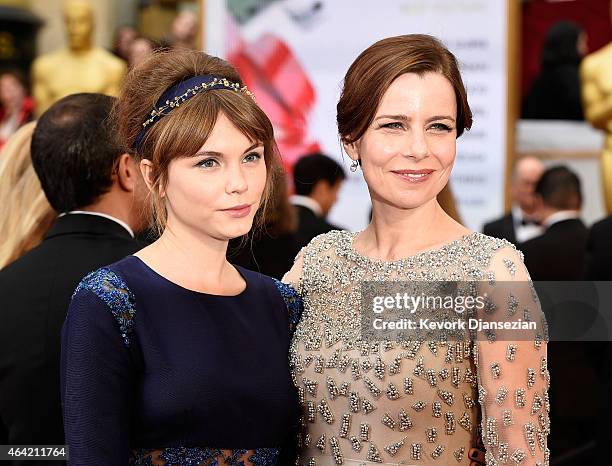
x,y
156,374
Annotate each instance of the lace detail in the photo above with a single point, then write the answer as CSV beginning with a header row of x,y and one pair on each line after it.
x,y
184,456
293,301
114,292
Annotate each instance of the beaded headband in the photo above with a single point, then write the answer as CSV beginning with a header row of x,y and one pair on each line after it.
x,y
174,96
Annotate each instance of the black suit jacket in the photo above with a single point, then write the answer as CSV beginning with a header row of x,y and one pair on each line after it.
x,y
600,250
35,292
501,228
310,225
559,253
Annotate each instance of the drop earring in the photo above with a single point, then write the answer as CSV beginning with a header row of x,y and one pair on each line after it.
x,y
354,165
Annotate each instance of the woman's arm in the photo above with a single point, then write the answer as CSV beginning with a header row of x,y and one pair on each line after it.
x,y
513,376
97,372
295,275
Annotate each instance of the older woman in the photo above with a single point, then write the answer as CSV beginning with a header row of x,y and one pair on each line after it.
x,y
173,356
412,402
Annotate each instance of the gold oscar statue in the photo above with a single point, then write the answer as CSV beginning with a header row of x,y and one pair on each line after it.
x,y
596,79
80,67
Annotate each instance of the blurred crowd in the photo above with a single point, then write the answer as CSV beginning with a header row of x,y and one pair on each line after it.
x,y
130,45
17,105
545,224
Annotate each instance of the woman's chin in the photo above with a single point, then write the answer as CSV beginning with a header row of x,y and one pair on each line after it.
x,y
240,228
408,202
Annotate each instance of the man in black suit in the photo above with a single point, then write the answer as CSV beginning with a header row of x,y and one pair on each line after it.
x,y
518,225
599,247
560,252
99,193
317,179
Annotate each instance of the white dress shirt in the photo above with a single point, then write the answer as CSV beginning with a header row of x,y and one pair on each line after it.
x,y
308,202
99,214
560,216
524,232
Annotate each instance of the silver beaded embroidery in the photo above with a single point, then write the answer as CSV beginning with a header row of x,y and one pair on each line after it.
x,y
327,350
336,452
345,425
395,447
437,452
415,451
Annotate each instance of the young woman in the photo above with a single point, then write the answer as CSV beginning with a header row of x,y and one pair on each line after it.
x,y
173,356
412,402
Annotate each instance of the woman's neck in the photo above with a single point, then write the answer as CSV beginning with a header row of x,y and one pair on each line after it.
x,y
193,260
397,233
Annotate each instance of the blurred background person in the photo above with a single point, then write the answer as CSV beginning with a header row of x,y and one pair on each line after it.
x,y
599,248
555,93
16,107
123,40
184,30
599,251
272,248
317,179
140,49
520,225
99,192
25,213
80,67
559,253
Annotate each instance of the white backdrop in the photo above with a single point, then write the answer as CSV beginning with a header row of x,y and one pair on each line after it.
x,y
327,39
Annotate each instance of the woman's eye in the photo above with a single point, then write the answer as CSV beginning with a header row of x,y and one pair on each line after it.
x,y
207,163
441,127
252,157
393,125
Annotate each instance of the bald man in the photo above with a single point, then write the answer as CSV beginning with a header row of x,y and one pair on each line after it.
x,y
519,225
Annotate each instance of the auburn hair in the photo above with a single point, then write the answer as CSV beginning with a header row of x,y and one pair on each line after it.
x,y
185,129
373,71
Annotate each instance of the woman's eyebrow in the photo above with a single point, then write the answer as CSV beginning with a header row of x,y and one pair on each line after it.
x,y
392,117
208,153
405,118
212,153
253,146
440,117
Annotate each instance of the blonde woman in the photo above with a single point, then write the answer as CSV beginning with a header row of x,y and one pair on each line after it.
x,y
25,213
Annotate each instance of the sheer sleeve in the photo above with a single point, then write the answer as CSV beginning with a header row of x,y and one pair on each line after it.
x,y
96,371
513,378
295,276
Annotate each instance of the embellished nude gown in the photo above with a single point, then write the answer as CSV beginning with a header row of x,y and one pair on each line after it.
x,y
411,402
